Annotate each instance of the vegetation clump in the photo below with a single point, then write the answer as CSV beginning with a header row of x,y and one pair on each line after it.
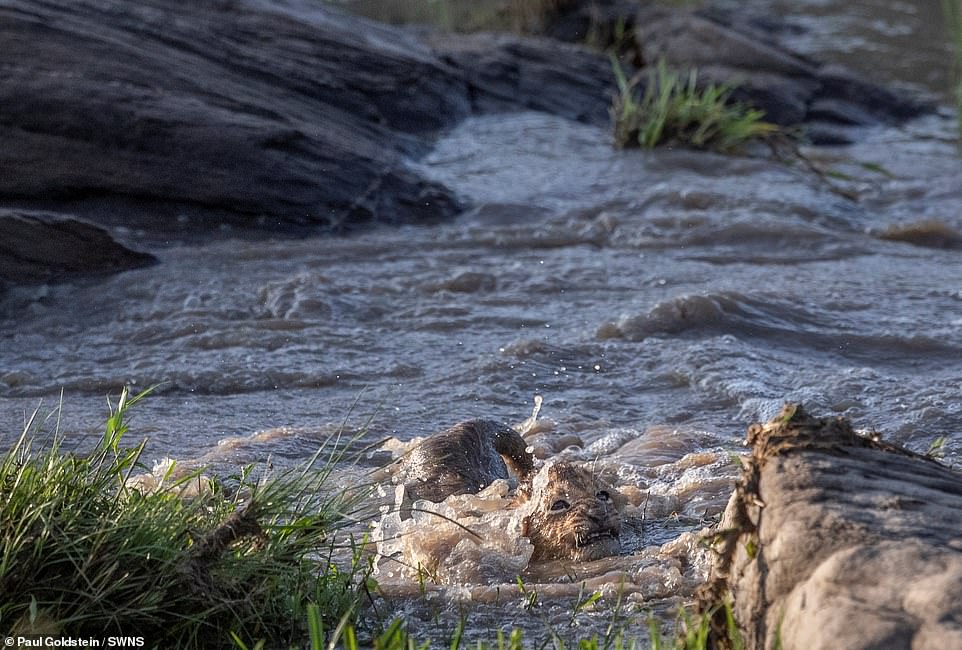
x,y
675,110
85,553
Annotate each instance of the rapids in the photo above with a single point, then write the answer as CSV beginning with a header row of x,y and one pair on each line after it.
x,y
659,301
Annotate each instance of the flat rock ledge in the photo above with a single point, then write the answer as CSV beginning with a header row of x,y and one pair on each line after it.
x,y
837,540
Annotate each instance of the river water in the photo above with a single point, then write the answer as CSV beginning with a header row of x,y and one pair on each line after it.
x,y
658,301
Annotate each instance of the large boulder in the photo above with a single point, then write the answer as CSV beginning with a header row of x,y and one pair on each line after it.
x,y
838,540
180,116
253,112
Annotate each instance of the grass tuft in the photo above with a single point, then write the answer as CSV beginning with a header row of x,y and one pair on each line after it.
x,y
674,110
84,553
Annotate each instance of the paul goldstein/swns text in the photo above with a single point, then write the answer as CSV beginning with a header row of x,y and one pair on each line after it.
x,y
74,642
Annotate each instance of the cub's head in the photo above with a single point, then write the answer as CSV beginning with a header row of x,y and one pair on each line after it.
x,y
574,514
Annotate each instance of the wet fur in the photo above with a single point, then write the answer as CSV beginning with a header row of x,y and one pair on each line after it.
x,y
470,455
464,459
587,529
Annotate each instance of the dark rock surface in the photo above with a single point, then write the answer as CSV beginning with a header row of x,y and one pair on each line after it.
x,y
242,111
791,89
510,73
744,49
37,247
182,118
835,540
176,119
256,113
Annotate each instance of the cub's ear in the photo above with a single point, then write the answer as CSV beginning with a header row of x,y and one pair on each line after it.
x,y
618,499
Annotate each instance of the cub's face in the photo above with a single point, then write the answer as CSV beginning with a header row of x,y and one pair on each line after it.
x,y
575,515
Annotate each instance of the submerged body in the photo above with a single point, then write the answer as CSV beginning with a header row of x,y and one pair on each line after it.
x,y
464,459
572,513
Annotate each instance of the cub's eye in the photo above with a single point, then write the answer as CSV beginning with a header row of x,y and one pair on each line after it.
x,y
560,505
603,495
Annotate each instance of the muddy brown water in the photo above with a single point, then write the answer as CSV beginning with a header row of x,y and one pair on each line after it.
x,y
659,301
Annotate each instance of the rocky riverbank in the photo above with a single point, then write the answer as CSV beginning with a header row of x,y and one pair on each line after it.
x,y
177,120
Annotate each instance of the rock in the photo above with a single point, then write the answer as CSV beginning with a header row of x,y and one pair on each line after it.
x,y
791,89
179,117
509,73
835,540
600,23
38,247
743,49
244,112
689,38
185,116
